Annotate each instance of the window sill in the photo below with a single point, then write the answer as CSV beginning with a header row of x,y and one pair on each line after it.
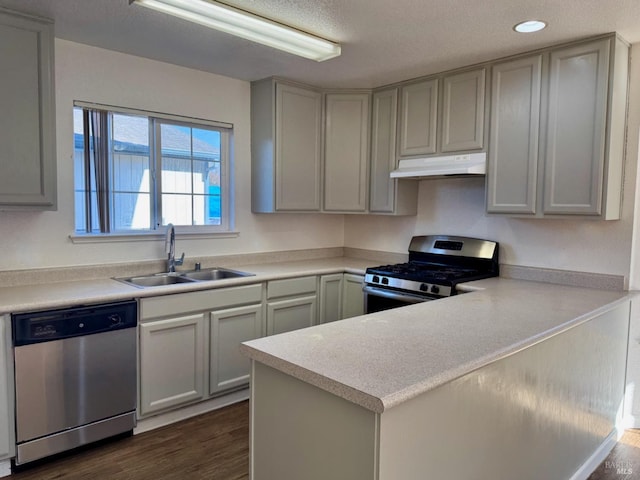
x,y
145,236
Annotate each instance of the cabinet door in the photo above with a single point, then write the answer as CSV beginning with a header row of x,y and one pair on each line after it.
x,y
330,298
298,148
352,297
463,111
27,123
292,314
7,408
228,368
576,129
418,114
512,172
346,152
171,362
383,150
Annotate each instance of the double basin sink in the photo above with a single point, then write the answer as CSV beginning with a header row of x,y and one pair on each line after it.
x,y
204,275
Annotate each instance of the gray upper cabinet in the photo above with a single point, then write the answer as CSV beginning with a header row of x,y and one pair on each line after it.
x,y
346,156
27,123
440,121
557,131
463,111
515,121
418,118
286,147
387,195
576,129
554,134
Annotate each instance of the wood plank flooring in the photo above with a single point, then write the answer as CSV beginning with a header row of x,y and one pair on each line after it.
x,y
623,463
215,446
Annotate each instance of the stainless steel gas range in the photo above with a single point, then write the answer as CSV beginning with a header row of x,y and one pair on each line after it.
x,y
437,263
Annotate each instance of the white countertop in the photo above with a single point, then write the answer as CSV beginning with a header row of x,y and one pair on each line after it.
x,y
67,293
383,359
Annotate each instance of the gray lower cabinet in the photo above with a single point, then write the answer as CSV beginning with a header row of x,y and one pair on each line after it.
x,y
331,287
557,131
341,297
27,123
171,362
228,368
352,296
346,152
291,304
387,195
189,345
189,342
286,147
291,314
7,420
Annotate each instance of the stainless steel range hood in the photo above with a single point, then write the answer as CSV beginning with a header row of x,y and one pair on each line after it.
x,y
467,164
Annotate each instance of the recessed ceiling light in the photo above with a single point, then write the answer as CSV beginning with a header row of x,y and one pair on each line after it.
x,y
530,26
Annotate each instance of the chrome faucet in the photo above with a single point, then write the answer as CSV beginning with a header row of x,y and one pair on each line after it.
x,y
170,248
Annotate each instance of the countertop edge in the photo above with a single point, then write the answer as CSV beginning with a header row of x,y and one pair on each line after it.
x,y
380,404
402,396
323,382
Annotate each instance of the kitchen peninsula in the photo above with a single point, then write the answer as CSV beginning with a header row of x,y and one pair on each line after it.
x,y
512,380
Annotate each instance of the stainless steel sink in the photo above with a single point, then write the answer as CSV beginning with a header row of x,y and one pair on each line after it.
x,y
210,274
155,280
206,275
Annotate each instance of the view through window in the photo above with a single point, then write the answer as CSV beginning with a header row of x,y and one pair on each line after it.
x,y
138,173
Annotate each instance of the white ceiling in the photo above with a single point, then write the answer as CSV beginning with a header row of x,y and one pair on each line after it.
x,y
383,41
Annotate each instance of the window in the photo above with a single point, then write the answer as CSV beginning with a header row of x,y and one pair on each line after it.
x,y
136,172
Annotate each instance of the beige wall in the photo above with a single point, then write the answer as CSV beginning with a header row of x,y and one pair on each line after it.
x,y
30,240
454,206
457,206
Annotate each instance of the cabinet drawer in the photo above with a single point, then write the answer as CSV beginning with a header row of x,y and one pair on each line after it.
x,y
180,303
291,314
291,286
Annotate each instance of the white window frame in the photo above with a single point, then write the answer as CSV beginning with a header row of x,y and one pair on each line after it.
x,y
227,210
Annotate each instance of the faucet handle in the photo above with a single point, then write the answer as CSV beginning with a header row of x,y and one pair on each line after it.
x,y
181,261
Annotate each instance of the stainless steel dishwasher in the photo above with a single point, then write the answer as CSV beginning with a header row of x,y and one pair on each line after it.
x,y
75,374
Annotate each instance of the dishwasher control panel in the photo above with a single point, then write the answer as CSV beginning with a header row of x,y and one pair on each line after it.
x,y
35,327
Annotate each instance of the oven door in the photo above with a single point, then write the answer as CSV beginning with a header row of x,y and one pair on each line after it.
x,y
378,299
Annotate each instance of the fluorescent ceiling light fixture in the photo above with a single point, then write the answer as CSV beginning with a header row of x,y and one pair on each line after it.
x,y
530,26
248,26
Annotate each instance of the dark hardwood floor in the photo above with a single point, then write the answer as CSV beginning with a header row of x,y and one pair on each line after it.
x,y
623,463
215,446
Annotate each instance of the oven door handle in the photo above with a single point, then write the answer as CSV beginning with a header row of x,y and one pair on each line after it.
x,y
393,295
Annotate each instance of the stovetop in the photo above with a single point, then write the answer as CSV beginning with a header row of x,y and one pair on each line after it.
x,y
423,272
437,263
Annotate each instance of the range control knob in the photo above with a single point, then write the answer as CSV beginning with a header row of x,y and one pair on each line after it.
x,y
375,279
424,287
435,289
385,281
